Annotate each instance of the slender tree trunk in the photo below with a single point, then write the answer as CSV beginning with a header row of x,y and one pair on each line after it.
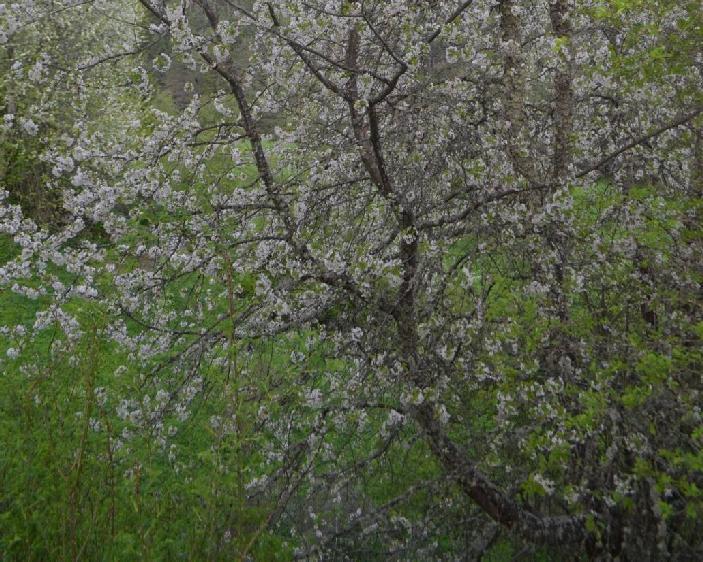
x,y
514,90
563,92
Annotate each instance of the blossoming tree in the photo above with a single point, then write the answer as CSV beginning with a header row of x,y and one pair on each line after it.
x,y
435,254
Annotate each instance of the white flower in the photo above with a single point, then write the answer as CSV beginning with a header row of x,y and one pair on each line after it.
x,y
314,397
256,482
101,395
395,418
227,31
29,126
547,484
162,63
221,108
13,353
35,73
443,415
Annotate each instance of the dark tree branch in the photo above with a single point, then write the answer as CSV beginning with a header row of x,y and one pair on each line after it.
x,y
551,530
640,140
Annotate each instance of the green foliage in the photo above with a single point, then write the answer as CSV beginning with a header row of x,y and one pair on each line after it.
x,y
70,489
26,179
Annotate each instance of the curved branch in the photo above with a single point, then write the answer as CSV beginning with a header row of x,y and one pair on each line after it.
x,y
640,140
550,530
